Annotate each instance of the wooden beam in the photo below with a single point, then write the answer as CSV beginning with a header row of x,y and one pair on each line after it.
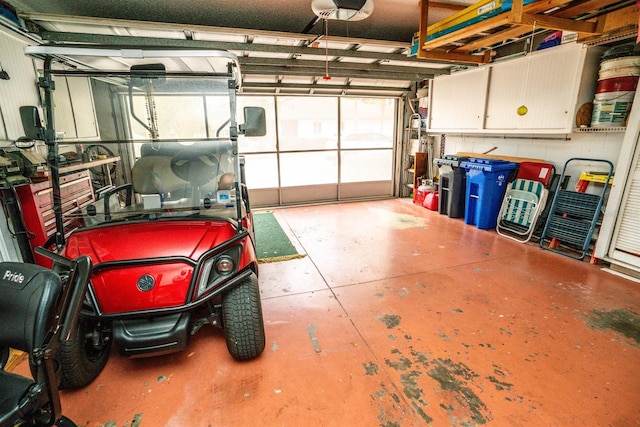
x,y
569,12
500,157
446,6
491,23
544,5
584,7
454,56
553,23
515,14
511,33
444,56
424,23
480,27
617,19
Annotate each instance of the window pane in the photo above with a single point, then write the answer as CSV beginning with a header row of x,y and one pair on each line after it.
x,y
218,110
307,123
366,165
367,122
258,143
177,117
261,171
309,168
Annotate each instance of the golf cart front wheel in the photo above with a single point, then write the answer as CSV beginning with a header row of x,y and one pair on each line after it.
x,y
83,358
242,320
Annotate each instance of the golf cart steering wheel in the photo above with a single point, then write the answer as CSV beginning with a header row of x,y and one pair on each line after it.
x,y
93,152
195,166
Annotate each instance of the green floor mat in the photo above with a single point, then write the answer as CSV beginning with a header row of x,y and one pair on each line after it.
x,y
272,243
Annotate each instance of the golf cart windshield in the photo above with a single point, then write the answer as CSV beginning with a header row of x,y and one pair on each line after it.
x,y
157,138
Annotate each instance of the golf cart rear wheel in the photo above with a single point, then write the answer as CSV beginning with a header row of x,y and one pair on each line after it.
x,y
83,358
242,320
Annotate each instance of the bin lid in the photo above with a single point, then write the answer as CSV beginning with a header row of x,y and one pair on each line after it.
x,y
450,160
488,165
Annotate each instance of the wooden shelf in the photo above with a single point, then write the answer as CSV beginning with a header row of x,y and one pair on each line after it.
x,y
90,164
590,19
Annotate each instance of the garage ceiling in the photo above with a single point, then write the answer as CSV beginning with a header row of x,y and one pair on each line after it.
x,y
280,46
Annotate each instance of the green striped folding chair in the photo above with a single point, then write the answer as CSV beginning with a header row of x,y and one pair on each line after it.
x,y
522,204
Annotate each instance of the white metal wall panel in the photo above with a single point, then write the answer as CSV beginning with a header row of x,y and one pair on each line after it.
x,y
21,88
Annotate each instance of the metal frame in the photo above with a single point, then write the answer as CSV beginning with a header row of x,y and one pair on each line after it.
x,y
577,226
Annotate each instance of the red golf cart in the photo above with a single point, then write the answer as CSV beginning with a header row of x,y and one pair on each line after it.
x,y
169,228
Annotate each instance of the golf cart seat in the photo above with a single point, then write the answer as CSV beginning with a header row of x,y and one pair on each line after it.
x,y
34,315
153,175
170,149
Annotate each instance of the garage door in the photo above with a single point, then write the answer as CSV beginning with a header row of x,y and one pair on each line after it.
x,y
320,149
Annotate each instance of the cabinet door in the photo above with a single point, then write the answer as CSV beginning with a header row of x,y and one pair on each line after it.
x,y
63,110
458,100
83,109
74,113
546,82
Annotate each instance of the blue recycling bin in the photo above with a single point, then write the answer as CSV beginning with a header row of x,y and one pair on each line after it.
x,y
486,184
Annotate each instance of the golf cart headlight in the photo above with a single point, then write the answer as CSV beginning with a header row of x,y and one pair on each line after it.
x,y
204,277
225,265
217,269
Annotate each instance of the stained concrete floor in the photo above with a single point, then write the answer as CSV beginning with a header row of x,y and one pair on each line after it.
x,y
399,316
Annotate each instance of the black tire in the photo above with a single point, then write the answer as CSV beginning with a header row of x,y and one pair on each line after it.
x,y
65,422
242,320
81,361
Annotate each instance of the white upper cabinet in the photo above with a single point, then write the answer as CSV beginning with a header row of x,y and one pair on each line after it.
x,y
20,90
83,107
64,122
546,83
74,112
551,84
458,100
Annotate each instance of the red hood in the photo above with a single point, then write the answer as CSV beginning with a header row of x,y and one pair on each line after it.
x,y
148,240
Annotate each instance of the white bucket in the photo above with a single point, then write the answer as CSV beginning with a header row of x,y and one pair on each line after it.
x,y
610,109
619,67
625,61
632,70
615,96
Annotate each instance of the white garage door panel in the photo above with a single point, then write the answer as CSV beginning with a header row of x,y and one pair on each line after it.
x,y
628,238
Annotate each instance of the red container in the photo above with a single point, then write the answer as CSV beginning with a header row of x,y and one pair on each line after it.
x,y
431,201
617,84
419,196
534,171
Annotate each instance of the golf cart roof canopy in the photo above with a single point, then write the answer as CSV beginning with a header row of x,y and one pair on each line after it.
x,y
114,59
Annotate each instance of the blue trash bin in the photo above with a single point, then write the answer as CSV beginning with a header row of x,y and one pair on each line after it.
x,y
486,184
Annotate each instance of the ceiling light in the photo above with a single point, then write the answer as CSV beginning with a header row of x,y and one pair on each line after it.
x,y
342,10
